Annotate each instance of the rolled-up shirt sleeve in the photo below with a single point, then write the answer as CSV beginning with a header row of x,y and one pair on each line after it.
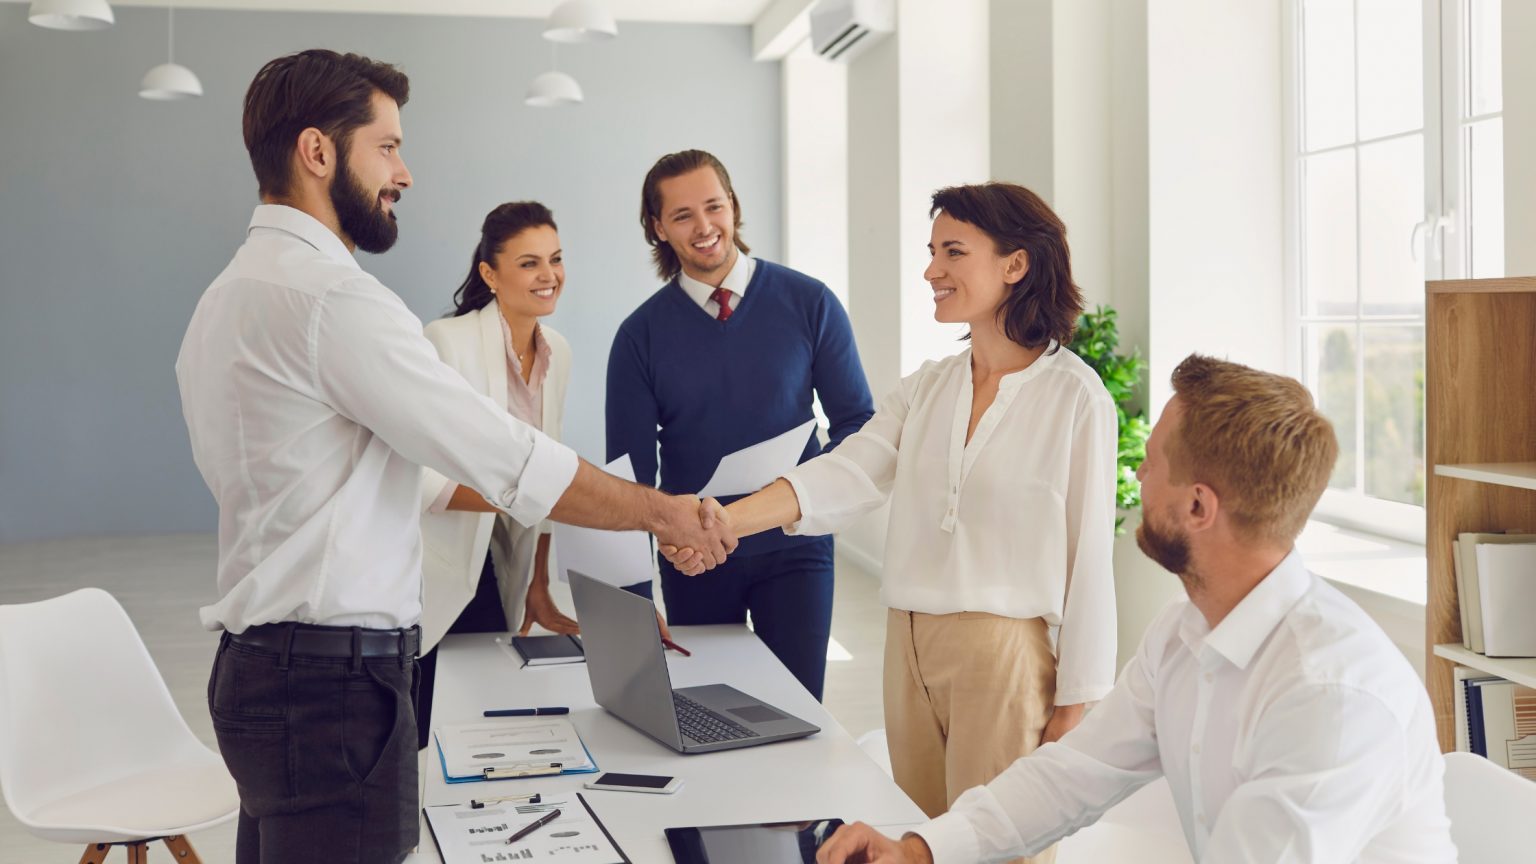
x,y
1085,647
370,361
841,485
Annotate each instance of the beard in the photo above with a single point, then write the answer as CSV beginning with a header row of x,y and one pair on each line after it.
x,y
1170,550
361,213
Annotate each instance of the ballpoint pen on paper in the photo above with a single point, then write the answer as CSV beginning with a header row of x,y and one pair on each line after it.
x,y
479,803
676,647
525,712
540,823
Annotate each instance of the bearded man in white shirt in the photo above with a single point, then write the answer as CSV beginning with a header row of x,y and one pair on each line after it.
x,y
311,399
1288,725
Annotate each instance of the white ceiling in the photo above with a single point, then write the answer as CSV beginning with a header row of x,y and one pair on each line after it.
x,y
691,11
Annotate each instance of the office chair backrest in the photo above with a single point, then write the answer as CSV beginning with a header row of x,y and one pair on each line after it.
x,y
1492,810
81,702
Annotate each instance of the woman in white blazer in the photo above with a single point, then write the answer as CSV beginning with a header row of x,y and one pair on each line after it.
x,y
483,572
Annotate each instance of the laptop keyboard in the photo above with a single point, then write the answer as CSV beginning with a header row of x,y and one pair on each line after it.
x,y
706,726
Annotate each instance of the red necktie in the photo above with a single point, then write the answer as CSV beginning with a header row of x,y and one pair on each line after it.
x,y
723,297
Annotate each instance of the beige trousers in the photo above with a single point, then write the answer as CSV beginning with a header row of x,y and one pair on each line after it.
x,y
966,694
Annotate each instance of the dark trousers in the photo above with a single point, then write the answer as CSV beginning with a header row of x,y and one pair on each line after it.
x,y
321,749
788,592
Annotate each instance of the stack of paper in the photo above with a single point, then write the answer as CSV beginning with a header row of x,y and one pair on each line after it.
x,y
532,746
469,835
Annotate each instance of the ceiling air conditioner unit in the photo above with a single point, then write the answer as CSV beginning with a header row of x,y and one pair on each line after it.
x,y
843,29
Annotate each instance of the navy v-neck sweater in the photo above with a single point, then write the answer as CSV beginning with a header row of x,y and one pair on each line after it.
x,y
703,388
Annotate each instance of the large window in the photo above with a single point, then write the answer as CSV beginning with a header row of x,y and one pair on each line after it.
x,y
1396,177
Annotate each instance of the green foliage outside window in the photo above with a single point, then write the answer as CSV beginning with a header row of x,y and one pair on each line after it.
x,y
1098,335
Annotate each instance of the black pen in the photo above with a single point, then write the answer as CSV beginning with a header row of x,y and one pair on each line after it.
x,y
542,821
525,712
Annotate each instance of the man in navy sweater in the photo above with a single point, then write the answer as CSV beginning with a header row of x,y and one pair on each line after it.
x,y
727,354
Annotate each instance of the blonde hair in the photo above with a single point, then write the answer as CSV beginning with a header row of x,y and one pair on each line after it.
x,y
1257,439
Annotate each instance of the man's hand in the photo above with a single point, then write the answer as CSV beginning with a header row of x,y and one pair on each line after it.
x,y
690,561
695,535
1064,718
860,844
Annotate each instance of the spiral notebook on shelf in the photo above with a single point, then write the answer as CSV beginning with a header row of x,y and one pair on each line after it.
x,y
512,748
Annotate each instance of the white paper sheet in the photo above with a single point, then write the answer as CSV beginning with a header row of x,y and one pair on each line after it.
x,y
751,468
513,743
616,557
468,836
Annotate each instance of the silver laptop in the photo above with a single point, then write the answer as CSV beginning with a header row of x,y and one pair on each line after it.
x,y
628,668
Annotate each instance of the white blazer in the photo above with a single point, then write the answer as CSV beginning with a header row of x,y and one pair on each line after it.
x,y
454,542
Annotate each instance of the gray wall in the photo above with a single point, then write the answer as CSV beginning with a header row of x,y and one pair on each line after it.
x,y
116,212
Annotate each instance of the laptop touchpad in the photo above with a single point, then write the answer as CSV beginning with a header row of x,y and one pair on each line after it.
x,y
756,713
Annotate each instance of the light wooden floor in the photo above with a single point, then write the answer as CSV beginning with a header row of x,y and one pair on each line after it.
x,y
162,581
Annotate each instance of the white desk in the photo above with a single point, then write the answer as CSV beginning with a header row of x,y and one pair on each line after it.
x,y
825,775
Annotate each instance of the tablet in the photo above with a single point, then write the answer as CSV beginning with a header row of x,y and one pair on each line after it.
x,y
768,843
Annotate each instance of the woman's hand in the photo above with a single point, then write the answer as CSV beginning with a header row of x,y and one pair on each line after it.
x,y
1063,720
540,607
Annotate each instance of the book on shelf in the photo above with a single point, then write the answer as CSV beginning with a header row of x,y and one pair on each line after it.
x,y
1506,575
1469,585
1496,719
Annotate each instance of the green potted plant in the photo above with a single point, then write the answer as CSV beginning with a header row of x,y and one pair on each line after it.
x,y
1097,337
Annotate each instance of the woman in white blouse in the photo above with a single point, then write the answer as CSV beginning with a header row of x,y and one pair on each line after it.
x,y
999,464
483,572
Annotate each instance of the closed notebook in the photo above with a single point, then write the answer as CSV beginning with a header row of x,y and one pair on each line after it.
x,y
548,650
1506,575
1470,587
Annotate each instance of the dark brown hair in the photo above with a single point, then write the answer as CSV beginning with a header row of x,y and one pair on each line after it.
x,y
315,88
500,225
667,167
1257,439
1046,303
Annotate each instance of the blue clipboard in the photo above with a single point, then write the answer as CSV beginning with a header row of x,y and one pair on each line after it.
x,y
515,774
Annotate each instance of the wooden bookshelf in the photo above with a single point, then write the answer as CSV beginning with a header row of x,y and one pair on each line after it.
x,y
1480,415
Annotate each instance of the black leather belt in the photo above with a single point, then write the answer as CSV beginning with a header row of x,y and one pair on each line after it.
x,y
313,640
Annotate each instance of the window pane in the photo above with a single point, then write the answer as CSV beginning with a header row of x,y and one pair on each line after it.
x,y
1330,374
1391,203
1391,67
1394,413
1328,56
1485,81
1328,219
1485,198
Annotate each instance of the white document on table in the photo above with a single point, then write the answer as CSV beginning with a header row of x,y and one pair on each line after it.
x,y
465,835
515,744
616,557
751,468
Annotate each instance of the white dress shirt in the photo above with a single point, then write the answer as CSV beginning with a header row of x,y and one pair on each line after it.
x,y
1294,731
1019,522
311,398
735,281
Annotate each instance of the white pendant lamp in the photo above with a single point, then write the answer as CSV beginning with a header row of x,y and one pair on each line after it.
x,y
71,14
170,81
580,21
552,90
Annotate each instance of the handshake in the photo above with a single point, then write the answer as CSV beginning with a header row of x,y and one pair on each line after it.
x,y
694,535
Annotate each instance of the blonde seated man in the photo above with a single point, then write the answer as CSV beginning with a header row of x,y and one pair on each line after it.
x,y
1290,729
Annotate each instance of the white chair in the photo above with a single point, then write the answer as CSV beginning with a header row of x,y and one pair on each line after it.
x,y
874,746
92,749
1492,811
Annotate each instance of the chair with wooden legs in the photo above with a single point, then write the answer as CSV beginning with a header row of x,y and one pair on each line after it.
x,y
92,749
